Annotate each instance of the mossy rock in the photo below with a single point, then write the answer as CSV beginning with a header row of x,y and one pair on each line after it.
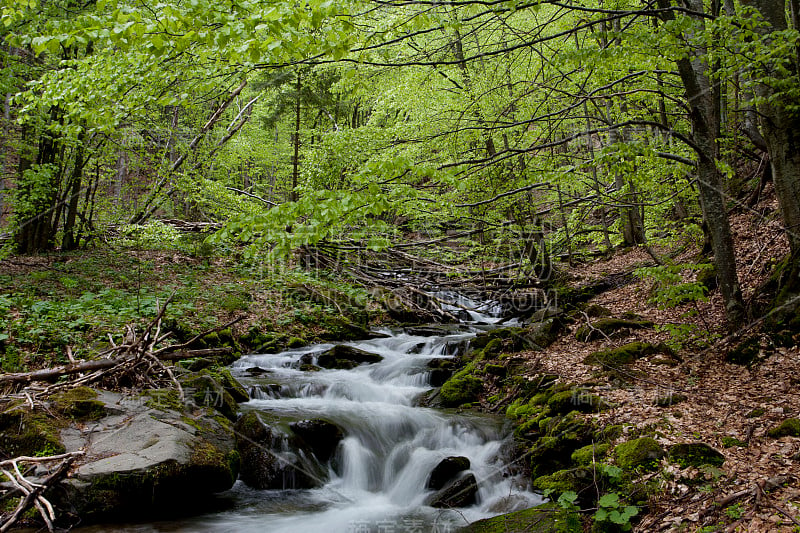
x,y
259,342
608,433
495,370
493,347
196,365
229,383
597,311
695,454
338,328
163,399
787,428
670,399
564,435
707,278
625,354
545,518
460,389
590,453
80,403
575,400
296,342
745,353
607,327
730,442
755,413
25,432
643,453
206,391
571,479
345,357
482,340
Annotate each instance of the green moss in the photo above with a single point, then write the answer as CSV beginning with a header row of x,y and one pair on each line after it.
x,y
295,342
545,518
25,432
163,399
642,453
695,454
462,388
608,433
590,453
755,413
746,353
625,354
493,347
787,428
495,370
223,376
79,403
572,479
597,311
729,442
575,400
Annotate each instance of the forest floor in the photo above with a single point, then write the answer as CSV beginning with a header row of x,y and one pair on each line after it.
x,y
724,401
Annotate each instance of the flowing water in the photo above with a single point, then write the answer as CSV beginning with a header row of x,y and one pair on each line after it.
x,y
376,480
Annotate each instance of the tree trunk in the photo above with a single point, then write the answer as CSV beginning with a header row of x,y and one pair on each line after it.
x,y
781,131
704,119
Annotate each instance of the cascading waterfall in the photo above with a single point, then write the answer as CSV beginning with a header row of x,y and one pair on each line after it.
x,y
376,480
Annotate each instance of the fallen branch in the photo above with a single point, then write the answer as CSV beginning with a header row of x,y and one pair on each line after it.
x,y
50,374
33,491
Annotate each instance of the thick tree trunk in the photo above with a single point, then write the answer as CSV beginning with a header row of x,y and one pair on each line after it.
x,y
781,131
705,124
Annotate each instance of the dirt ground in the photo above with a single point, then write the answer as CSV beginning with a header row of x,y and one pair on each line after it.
x,y
758,487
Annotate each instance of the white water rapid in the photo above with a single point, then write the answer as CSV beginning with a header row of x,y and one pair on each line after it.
x,y
375,482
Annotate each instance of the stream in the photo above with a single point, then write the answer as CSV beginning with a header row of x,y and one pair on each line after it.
x,y
376,480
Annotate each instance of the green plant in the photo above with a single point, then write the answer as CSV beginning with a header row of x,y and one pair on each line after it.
x,y
735,511
670,291
611,509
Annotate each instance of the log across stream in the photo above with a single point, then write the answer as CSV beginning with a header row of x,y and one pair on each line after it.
x,y
377,475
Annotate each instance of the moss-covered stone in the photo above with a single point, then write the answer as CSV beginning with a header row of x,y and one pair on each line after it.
x,y
746,353
607,327
608,433
707,278
80,403
787,428
163,399
462,388
564,435
26,432
295,342
229,383
625,354
545,518
597,311
695,454
575,400
642,453
571,479
730,442
495,370
590,453
755,413
345,357
206,391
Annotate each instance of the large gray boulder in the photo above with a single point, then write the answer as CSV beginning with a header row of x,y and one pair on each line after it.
x,y
147,456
